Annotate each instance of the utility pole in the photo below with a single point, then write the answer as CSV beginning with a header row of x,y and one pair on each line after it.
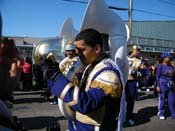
x,y
130,20
0,28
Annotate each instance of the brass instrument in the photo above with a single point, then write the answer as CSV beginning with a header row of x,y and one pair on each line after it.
x,y
55,45
44,47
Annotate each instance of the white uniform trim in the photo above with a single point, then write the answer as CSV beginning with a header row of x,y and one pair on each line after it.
x,y
97,128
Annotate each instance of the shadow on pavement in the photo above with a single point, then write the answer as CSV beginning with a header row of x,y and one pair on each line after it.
x,y
29,100
32,123
144,115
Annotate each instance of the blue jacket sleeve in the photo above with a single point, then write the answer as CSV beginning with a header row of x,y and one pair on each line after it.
x,y
80,100
89,101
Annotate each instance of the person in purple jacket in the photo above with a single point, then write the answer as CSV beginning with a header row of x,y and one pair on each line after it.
x,y
96,101
165,86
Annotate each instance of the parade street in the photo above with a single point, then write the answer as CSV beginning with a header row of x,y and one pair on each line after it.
x,y
36,113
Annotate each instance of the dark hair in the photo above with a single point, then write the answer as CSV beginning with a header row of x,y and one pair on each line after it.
x,y
5,40
91,37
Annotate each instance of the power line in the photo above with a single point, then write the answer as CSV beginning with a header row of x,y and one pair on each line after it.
x,y
147,12
168,2
117,8
76,1
124,9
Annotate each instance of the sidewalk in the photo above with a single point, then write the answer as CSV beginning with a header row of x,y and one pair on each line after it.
x,y
36,113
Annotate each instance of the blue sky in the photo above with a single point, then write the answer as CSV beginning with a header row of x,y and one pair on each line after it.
x,y
43,18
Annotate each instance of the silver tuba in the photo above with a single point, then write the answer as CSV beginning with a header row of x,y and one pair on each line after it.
x,y
45,46
55,45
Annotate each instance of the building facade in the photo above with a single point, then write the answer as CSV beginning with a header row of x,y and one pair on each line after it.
x,y
154,37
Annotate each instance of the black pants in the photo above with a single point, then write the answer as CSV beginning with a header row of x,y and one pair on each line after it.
x,y
130,91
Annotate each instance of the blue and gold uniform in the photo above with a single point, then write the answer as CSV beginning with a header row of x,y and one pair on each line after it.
x,y
96,101
131,86
134,65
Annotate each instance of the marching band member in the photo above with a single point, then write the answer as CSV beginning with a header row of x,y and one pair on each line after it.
x,y
71,59
165,86
131,86
96,102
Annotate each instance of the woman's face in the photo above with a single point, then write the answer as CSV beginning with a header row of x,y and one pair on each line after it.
x,y
136,53
167,59
87,53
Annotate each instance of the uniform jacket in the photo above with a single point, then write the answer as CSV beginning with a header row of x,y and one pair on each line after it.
x,y
134,65
97,103
164,76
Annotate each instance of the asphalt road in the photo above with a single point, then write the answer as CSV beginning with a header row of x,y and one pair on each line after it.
x,y
36,113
